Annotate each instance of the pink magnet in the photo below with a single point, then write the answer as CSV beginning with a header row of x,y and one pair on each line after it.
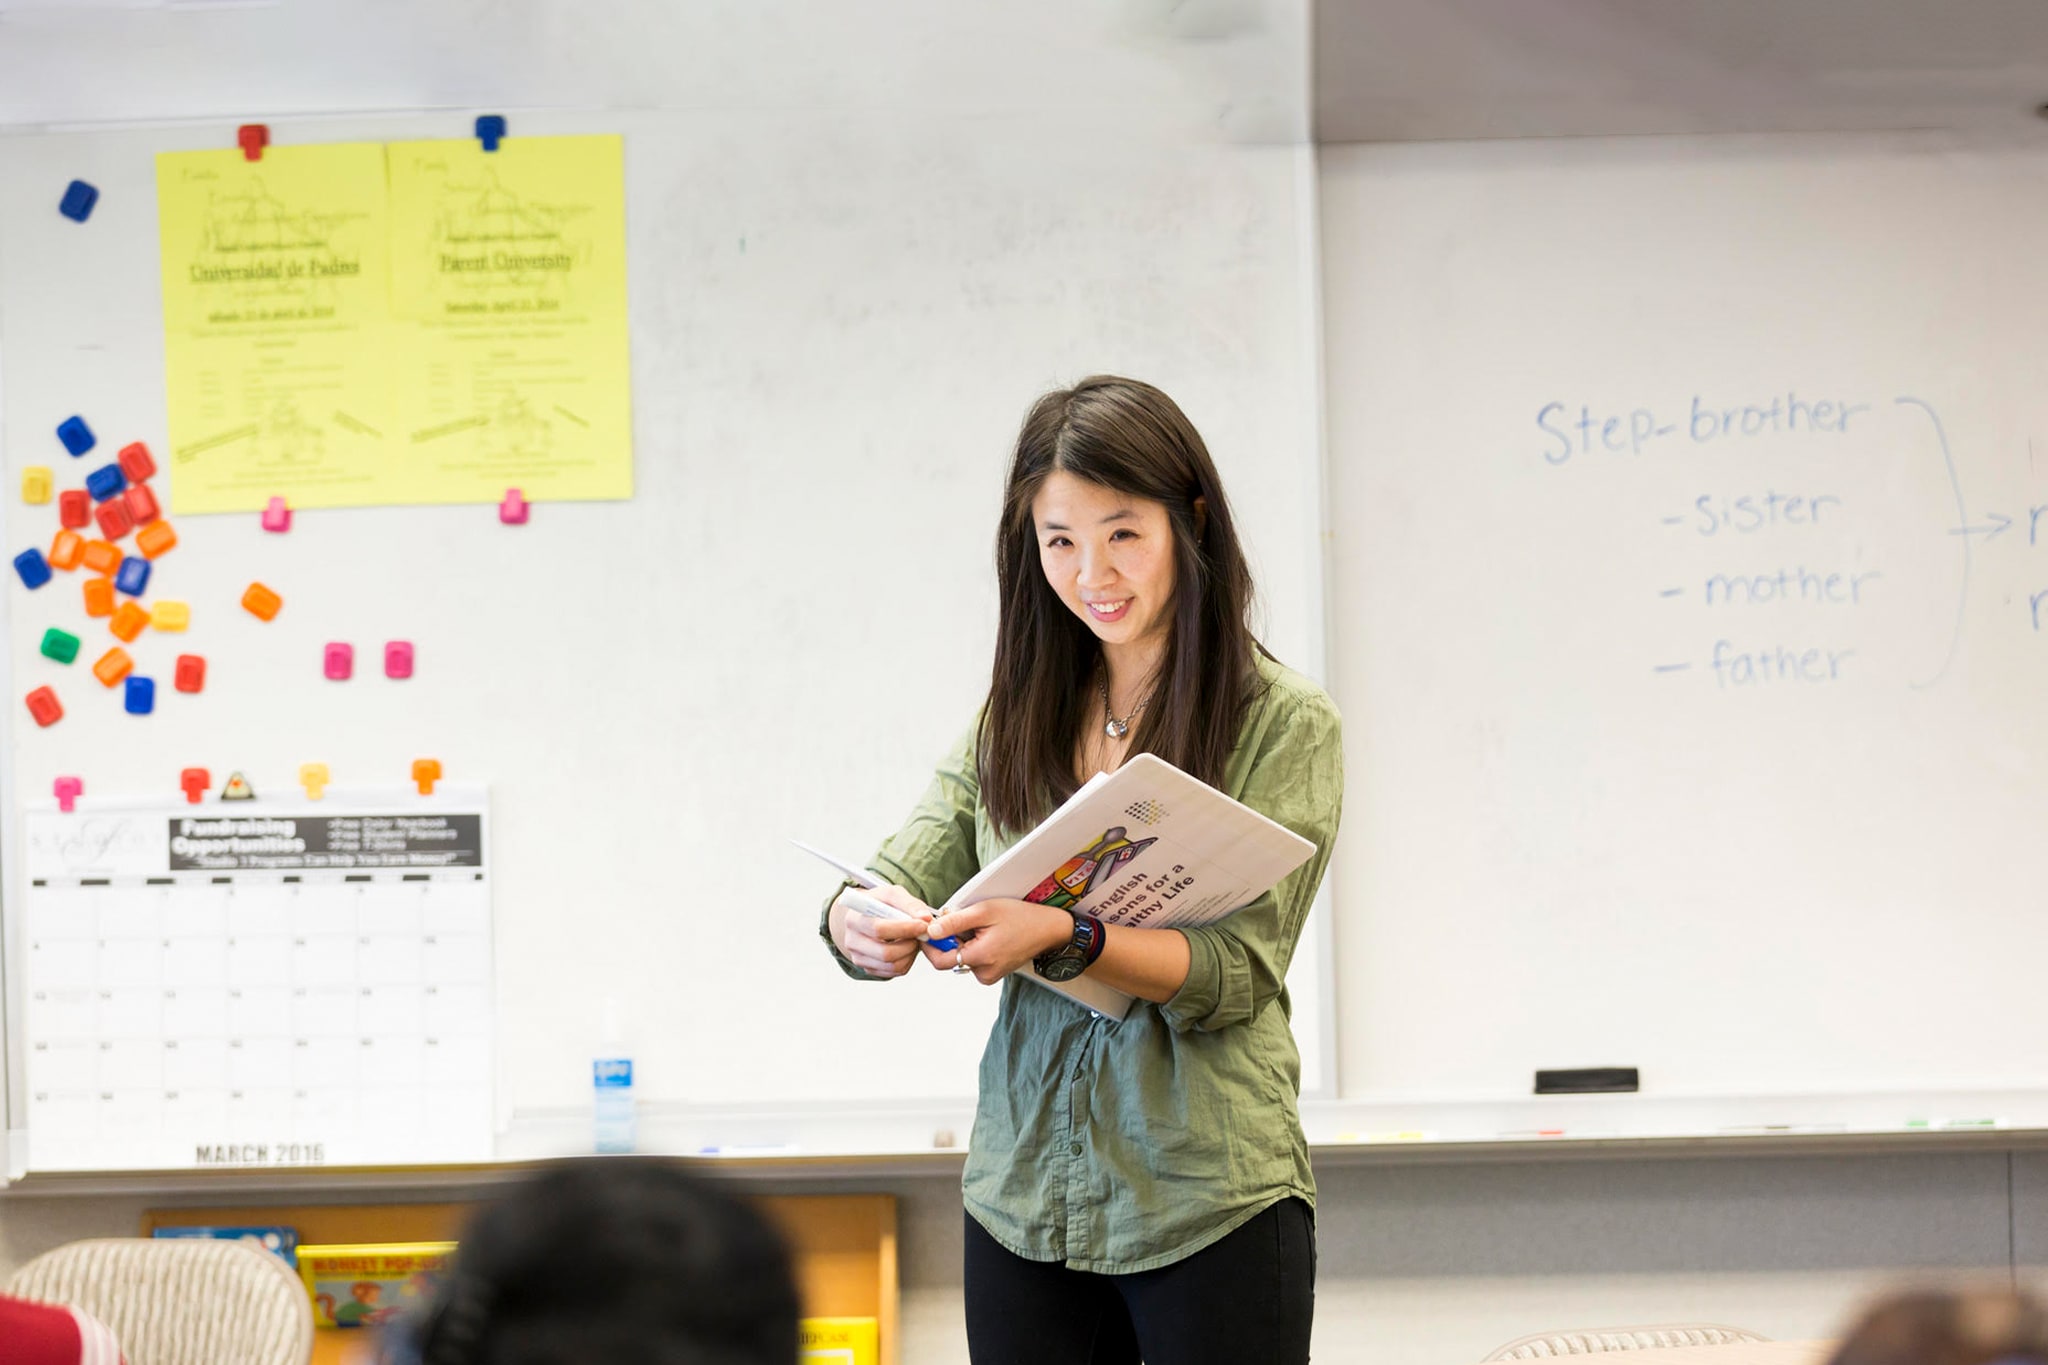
x,y
276,516
341,662
69,789
512,511
398,659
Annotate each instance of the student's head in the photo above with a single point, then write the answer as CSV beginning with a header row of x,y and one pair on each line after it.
x,y
1979,1327
1115,535
626,1260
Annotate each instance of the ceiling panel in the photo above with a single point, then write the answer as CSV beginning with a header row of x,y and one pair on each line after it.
x,y
1400,70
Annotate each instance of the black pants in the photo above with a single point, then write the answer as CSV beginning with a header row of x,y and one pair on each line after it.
x,y
1249,1297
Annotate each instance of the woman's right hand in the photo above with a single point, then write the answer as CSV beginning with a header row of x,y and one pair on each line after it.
x,y
880,947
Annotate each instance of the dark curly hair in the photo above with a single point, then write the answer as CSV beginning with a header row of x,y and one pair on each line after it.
x,y
627,1260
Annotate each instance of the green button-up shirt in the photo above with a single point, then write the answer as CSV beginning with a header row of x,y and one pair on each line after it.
x,y
1118,1147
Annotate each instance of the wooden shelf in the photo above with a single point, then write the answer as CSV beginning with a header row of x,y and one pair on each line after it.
x,y
844,1246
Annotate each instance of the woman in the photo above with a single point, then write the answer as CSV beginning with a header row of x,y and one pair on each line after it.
x,y
1143,1187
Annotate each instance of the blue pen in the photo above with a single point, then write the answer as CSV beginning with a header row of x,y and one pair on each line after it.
x,y
868,905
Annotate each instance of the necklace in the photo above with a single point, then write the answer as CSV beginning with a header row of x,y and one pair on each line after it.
x,y
1114,728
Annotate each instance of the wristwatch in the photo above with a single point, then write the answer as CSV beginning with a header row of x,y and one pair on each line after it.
x,y
1076,955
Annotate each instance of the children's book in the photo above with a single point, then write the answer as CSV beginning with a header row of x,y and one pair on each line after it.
x,y
838,1341
281,1242
360,1285
1146,846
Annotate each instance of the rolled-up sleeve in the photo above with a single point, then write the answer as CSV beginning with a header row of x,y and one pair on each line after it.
x,y
1238,965
934,853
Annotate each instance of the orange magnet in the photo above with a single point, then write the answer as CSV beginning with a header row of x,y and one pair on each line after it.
x,y
99,597
155,538
67,550
261,601
101,556
426,772
129,619
113,666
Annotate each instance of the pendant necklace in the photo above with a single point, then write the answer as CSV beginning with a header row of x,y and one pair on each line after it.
x,y
1114,728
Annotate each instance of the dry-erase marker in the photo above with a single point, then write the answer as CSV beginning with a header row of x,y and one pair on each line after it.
x,y
862,903
858,876
869,881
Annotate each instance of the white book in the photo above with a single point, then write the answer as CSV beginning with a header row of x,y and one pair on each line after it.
x,y
1146,846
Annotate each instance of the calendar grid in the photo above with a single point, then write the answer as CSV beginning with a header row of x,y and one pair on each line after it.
x,y
183,1017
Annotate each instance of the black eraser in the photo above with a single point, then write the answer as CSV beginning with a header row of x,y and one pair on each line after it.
x,y
1589,1080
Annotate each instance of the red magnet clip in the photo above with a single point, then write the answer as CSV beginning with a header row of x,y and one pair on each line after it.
x,y
253,137
44,706
194,782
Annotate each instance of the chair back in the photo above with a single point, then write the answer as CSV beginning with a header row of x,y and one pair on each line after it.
x,y
179,1301
1586,1342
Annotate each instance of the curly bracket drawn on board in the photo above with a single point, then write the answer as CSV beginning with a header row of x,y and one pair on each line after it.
x,y
1955,638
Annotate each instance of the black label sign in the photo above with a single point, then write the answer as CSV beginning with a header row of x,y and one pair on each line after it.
x,y
292,843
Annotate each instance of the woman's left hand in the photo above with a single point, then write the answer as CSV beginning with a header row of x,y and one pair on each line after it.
x,y
1007,934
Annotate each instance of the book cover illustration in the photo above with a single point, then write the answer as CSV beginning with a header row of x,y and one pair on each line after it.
x,y
360,1285
838,1341
1146,846
281,1242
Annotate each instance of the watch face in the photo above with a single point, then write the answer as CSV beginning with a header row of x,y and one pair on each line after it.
x,y
1064,965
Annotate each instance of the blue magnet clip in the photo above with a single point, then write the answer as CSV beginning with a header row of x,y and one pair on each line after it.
x,y
106,482
140,699
133,577
33,568
78,200
490,130
75,434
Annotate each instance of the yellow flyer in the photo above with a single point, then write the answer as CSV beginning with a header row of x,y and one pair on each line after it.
x,y
277,326
837,1341
508,282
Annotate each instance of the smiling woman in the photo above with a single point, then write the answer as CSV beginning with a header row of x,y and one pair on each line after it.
x,y
1134,1189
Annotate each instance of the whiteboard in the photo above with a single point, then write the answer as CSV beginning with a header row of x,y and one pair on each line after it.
x,y
1747,794
836,326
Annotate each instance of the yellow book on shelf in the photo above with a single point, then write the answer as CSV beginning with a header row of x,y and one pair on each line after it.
x,y
363,1284
838,1341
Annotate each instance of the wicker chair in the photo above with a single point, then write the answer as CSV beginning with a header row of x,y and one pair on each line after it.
x,y
1544,1344
179,1302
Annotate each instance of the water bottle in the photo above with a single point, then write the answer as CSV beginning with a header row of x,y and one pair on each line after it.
x,y
611,1078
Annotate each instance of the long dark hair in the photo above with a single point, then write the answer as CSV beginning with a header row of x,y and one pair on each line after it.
x,y
1129,437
